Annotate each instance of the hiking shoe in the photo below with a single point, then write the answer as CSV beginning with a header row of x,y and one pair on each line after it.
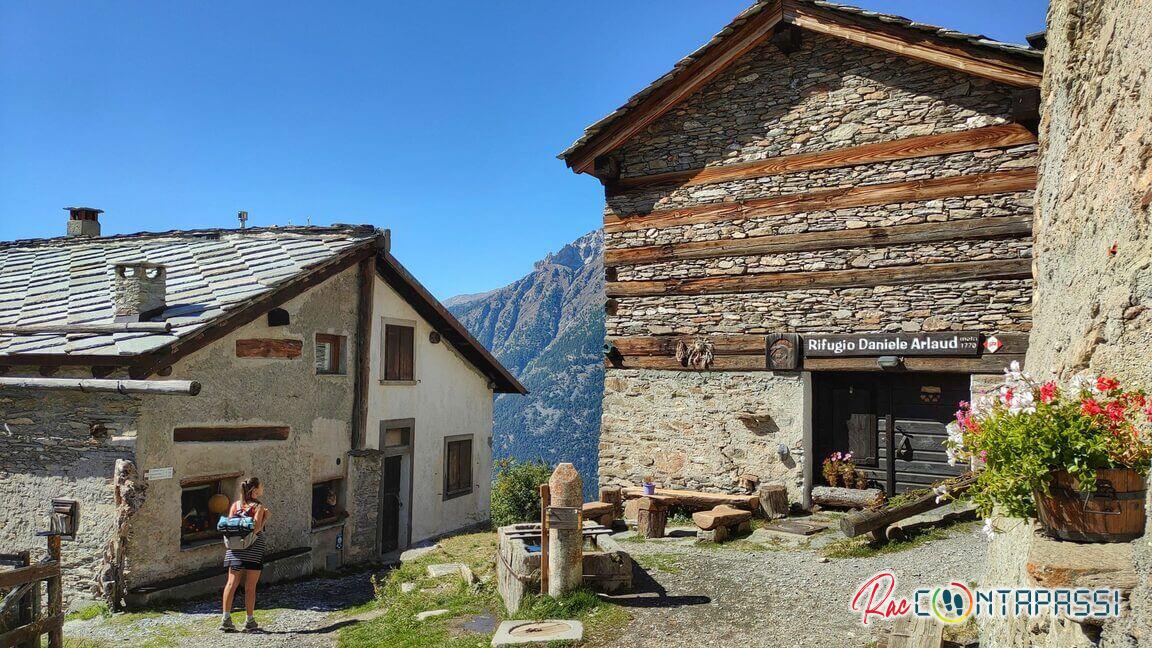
x,y
226,624
250,625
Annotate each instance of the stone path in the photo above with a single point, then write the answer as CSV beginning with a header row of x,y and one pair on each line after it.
x,y
294,614
779,597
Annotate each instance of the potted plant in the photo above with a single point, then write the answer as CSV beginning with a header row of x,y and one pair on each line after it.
x,y
847,470
649,485
831,469
1073,456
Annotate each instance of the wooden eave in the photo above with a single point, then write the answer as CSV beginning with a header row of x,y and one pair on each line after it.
x,y
870,31
402,281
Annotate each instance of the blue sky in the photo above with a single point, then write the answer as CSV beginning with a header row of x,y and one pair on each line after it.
x,y
438,120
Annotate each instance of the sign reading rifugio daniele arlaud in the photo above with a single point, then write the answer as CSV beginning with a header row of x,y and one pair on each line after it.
x,y
946,343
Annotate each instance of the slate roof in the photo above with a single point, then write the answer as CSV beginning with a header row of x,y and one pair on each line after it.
x,y
977,40
209,273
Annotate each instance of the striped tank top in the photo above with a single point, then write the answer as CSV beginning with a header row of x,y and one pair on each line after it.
x,y
255,552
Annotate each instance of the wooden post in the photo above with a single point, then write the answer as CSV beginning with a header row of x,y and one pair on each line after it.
x,y
890,462
545,502
565,541
651,518
27,612
774,501
55,594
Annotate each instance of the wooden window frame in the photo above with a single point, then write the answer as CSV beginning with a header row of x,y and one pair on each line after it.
x,y
448,441
211,536
341,512
339,346
385,324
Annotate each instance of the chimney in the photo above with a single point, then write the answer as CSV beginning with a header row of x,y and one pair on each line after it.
x,y
138,291
84,221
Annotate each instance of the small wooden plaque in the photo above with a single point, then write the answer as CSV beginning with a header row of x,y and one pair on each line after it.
x,y
563,518
783,351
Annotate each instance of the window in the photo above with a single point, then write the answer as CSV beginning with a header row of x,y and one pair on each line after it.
x,y
330,353
326,507
398,352
278,317
457,466
201,506
394,435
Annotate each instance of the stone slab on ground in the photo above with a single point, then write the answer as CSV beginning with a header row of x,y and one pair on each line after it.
x,y
417,553
428,614
440,570
520,633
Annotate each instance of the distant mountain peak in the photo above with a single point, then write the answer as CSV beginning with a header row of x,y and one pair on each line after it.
x,y
576,254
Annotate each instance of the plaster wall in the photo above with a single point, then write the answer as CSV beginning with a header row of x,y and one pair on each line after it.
x,y
448,397
250,391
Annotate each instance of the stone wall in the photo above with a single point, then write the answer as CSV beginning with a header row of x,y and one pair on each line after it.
x,y
62,444
687,428
363,503
1093,308
701,430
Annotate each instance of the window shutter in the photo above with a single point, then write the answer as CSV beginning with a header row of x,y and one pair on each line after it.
x,y
323,356
398,352
405,353
390,367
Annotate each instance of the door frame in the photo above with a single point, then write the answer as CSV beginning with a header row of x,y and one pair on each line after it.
x,y
408,452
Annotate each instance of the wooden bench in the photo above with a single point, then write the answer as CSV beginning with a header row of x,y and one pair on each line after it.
x,y
601,512
721,523
697,500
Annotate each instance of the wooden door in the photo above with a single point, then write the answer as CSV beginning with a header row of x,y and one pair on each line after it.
x,y
390,504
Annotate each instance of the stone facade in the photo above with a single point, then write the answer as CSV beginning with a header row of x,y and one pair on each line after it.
x,y
703,429
1093,307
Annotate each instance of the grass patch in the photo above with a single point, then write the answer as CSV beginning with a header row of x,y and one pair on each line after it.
x,y
72,642
865,547
397,625
89,612
668,563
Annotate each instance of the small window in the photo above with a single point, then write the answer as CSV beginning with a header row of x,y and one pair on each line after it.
x,y
201,506
397,437
330,353
326,507
457,466
398,352
278,317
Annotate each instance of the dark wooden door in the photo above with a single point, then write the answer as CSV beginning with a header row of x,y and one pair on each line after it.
x,y
851,411
390,506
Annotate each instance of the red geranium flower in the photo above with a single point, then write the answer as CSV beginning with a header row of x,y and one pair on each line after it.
x,y
1115,411
1106,384
1048,392
1090,407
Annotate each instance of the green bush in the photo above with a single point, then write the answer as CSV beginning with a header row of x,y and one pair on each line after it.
x,y
516,491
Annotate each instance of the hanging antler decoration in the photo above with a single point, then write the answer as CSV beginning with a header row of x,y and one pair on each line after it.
x,y
698,354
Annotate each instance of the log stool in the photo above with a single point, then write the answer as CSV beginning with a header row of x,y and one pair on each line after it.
x,y
721,523
603,513
651,517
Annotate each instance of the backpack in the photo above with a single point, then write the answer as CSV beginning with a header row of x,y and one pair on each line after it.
x,y
239,531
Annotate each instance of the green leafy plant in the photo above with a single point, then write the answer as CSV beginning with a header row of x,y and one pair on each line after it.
x,y
516,491
1020,435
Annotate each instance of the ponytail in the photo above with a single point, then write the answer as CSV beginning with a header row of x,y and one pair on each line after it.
x,y
247,487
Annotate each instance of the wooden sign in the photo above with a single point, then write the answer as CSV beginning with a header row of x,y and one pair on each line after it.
x,y
944,343
783,351
563,518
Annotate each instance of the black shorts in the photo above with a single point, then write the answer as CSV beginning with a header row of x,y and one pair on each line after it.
x,y
242,565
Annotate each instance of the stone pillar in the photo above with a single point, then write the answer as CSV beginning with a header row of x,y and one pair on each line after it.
x,y
565,545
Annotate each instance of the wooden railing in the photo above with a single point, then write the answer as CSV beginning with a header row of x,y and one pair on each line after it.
x,y
23,585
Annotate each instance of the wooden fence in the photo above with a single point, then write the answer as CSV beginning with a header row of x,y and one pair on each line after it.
x,y
23,599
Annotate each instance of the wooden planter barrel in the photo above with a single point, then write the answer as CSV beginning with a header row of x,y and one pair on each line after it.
x,y
1114,513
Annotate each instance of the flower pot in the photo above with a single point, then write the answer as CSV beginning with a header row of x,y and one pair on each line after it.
x,y
1114,513
649,489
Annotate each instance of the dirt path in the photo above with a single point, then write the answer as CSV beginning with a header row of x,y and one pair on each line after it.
x,y
303,614
776,597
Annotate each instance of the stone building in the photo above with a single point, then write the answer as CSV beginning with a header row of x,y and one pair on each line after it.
x,y
1093,294
817,230
307,356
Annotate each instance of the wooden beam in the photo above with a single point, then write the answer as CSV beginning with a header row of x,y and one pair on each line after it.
x,y
93,329
971,229
31,574
269,348
752,344
779,281
712,62
30,633
857,196
366,289
209,479
206,434
171,387
923,47
991,364
976,139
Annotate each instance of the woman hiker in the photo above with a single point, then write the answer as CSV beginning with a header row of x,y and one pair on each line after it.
x,y
244,565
